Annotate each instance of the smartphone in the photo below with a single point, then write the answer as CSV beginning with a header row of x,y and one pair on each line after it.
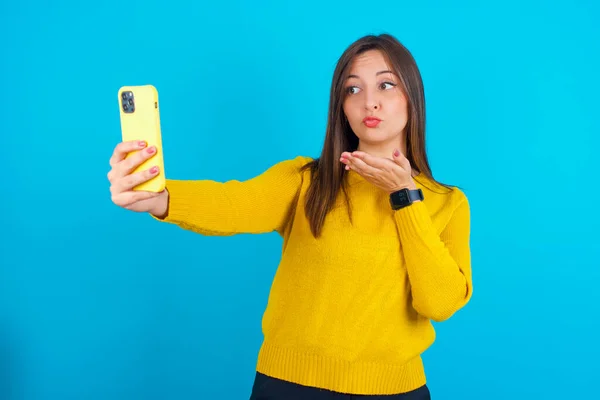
x,y
140,120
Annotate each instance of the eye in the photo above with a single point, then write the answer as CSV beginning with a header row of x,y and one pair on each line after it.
x,y
387,85
352,89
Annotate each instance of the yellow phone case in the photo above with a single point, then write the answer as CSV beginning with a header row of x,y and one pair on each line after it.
x,y
140,120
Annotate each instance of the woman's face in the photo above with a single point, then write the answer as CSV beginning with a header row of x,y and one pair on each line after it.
x,y
375,104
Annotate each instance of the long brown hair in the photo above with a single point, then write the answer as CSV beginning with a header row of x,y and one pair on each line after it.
x,y
327,173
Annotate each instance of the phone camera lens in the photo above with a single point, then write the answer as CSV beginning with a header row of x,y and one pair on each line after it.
x,y
130,101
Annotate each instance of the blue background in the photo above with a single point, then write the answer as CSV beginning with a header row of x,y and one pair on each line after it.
x,y
100,303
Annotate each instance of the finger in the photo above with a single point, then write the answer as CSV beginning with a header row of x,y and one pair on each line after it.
x,y
125,167
127,199
122,149
401,160
345,159
377,162
363,168
128,182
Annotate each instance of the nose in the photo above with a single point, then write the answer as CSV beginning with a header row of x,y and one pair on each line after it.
x,y
372,102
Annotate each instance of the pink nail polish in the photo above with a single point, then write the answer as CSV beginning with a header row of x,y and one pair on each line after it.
x,y
153,170
396,153
150,150
142,143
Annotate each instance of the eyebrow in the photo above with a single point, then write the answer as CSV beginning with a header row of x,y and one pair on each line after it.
x,y
379,73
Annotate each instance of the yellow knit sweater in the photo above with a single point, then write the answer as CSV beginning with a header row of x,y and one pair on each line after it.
x,y
350,311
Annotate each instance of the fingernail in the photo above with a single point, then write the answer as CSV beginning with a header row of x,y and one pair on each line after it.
x,y
153,170
396,153
142,143
150,150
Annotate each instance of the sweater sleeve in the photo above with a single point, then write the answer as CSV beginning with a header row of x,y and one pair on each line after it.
x,y
439,265
258,205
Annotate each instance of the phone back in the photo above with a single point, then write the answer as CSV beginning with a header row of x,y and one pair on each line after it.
x,y
140,120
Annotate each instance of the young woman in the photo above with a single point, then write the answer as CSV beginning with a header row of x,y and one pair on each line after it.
x,y
374,248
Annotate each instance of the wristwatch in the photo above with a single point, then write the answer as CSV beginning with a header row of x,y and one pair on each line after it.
x,y
405,197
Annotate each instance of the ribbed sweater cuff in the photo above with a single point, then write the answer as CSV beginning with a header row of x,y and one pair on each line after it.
x,y
340,375
413,220
179,205
185,198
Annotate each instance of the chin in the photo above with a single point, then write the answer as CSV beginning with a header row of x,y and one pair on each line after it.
x,y
375,136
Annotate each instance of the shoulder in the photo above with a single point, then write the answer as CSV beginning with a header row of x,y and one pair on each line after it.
x,y
457,196
294,162
294,165
302,160
290,169
442,197
290,164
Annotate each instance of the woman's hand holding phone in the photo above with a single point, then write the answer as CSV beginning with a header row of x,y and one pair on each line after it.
x,y
123,181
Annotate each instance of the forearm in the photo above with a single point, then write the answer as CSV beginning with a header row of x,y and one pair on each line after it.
x,y
260,204
198,206
438,265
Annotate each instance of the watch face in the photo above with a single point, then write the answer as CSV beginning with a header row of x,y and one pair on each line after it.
x,y
401,196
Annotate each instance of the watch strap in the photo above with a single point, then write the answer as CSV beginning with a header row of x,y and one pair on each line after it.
x,y
405,197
